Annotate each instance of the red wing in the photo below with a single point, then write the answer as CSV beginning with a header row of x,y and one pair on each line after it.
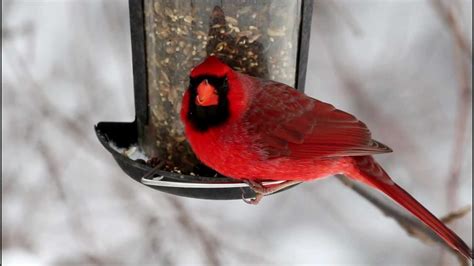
x,y
289,123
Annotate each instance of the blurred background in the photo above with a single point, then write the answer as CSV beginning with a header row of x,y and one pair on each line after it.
x,y
403,67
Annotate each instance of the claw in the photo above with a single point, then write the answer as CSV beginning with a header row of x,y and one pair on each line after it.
x,y
248,201
253,201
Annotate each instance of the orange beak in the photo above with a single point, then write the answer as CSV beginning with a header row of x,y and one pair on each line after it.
x,y
206,94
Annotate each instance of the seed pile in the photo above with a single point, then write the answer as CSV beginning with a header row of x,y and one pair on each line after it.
x,y
258,38
239,49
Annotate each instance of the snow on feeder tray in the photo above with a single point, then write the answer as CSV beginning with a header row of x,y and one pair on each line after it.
x,y
268,39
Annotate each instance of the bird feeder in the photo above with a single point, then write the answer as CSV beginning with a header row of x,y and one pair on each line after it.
x,y
267,39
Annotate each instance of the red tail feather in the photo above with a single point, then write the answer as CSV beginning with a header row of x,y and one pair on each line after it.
x,y
372,174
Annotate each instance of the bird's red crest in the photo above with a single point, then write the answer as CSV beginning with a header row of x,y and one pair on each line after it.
x,y
211,66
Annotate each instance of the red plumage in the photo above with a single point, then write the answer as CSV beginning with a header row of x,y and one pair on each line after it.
x,y
274,132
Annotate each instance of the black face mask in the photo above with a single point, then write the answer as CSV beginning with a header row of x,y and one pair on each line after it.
x,y
204,117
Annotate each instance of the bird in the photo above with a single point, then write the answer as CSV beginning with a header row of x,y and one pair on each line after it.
x,y
254,130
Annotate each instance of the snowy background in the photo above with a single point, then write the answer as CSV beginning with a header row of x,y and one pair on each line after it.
x,y
401,66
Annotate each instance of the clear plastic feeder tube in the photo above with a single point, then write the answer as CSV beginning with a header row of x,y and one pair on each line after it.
x,y
259,38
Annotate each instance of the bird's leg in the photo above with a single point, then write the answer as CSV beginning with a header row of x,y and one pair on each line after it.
x,y
257,187
261,190
270,189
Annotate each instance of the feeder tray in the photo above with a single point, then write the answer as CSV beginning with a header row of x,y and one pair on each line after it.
x,y
113,135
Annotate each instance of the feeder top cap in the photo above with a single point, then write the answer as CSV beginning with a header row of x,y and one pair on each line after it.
x,y
211,66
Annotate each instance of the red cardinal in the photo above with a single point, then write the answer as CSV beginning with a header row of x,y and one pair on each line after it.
x,y
254,130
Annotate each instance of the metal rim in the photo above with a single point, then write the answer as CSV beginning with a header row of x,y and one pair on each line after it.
x,y
158,182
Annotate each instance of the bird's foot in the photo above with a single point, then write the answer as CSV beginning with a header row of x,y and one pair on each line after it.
x,y
261,190
253,201
257,187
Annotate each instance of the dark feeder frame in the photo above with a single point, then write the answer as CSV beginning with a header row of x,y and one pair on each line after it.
x,y
125,134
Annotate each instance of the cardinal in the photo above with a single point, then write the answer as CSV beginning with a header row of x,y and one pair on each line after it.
x,y
253,130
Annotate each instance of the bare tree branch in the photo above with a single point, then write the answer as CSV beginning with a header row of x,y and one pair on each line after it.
x,y
447,14
463,61
451,217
